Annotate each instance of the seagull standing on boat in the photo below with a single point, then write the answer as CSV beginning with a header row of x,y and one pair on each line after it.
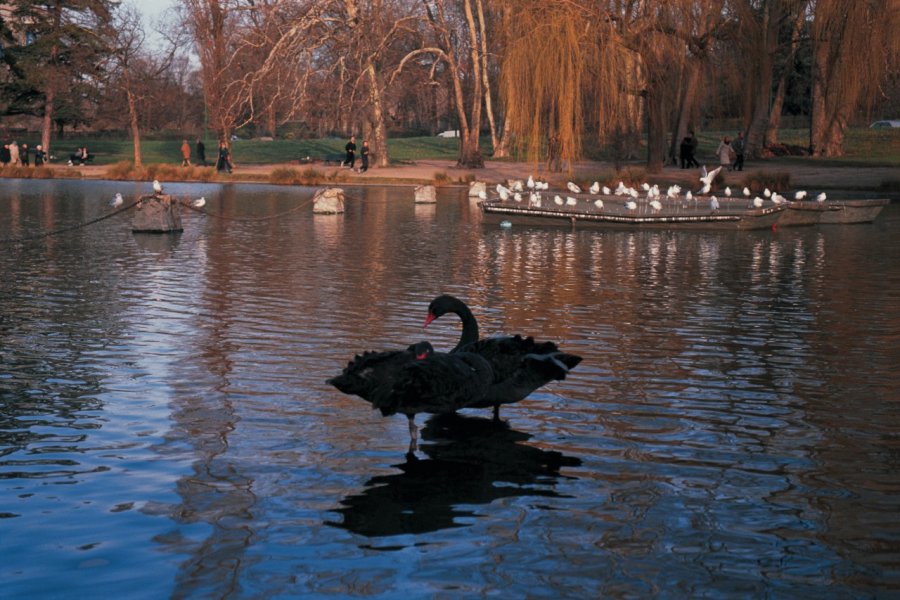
x,y
517,197
482,195
713,203
747,192
157,187
530,183
656,205
821,197
728,191
503,191
767,193
117,201
606,191
800,195
631,205
570,201
595,188
757,202
573,188
558,200
598,203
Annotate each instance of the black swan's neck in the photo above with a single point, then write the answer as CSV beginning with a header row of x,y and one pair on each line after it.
x,y
469,324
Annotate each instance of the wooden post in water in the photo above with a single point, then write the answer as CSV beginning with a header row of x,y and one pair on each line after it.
x,y
158,213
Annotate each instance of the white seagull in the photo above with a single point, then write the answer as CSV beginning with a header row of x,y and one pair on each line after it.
x,y
157,187
573,188
117,201
757,202
767,193
482,195
517,197
747,192
821,197
605,190
595,188
713,203
631,205
728,191
570,201
558,200
800,195
656,205
598,203
199,202
689,196
530,183
708,178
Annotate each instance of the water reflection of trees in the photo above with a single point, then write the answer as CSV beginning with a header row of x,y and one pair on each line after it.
x,y
467,459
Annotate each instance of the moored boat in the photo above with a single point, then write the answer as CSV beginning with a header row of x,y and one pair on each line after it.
x,y
615,214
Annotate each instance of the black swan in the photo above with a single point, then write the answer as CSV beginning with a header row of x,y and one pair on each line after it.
x,y
520,365
416,380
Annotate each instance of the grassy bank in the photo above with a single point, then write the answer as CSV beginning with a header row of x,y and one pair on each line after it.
x,y
870,147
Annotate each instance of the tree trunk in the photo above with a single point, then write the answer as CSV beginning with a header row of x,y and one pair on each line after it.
x,y
499,149
380,130
470,151
656,131
763,92
135,128
771,136
686,111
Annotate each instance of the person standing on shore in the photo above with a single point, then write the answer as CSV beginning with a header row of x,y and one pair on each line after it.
x,y
201,153
350,148
364,157
14,154
185,153
24,155
738,145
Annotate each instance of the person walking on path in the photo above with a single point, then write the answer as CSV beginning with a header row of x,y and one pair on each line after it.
x,y
364,157
725,153
185,153
351,152
739,145
201,153
693,143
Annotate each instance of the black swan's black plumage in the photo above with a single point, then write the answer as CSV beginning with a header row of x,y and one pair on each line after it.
x,y
520,365
416,380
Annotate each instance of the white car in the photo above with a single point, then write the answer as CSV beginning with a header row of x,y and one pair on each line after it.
x,y
884,124
450,133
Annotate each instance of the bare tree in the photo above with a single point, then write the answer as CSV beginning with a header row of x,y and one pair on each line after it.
x,y
132,68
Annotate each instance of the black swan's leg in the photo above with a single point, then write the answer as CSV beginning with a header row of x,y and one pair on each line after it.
x,y
496,412
413,433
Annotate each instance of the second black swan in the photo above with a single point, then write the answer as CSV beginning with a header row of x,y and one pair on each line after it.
x,y
519,365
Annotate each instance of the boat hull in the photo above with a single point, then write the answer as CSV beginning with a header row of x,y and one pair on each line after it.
x,y
832,212
516,213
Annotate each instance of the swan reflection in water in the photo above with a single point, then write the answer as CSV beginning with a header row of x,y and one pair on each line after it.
x,y
468,457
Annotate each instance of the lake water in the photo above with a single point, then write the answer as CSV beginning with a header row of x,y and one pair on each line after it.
x,y
166,429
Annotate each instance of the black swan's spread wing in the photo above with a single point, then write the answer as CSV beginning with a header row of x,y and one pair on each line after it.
x,y
438,383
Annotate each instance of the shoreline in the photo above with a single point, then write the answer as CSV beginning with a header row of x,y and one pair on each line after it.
x,y
445,173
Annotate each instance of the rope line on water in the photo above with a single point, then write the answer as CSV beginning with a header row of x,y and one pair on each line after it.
x,y
46,234
184,203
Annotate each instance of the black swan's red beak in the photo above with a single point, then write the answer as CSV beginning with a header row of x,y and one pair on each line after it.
x,y
428,319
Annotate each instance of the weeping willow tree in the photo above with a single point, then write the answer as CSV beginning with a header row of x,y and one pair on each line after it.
x,y
853,47
561,65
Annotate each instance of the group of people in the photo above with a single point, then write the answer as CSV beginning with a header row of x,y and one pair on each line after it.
x,y
80,156
223,161
729,152
16,155
350,160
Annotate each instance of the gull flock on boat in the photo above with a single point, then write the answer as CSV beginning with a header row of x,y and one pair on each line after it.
x,y
649,204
